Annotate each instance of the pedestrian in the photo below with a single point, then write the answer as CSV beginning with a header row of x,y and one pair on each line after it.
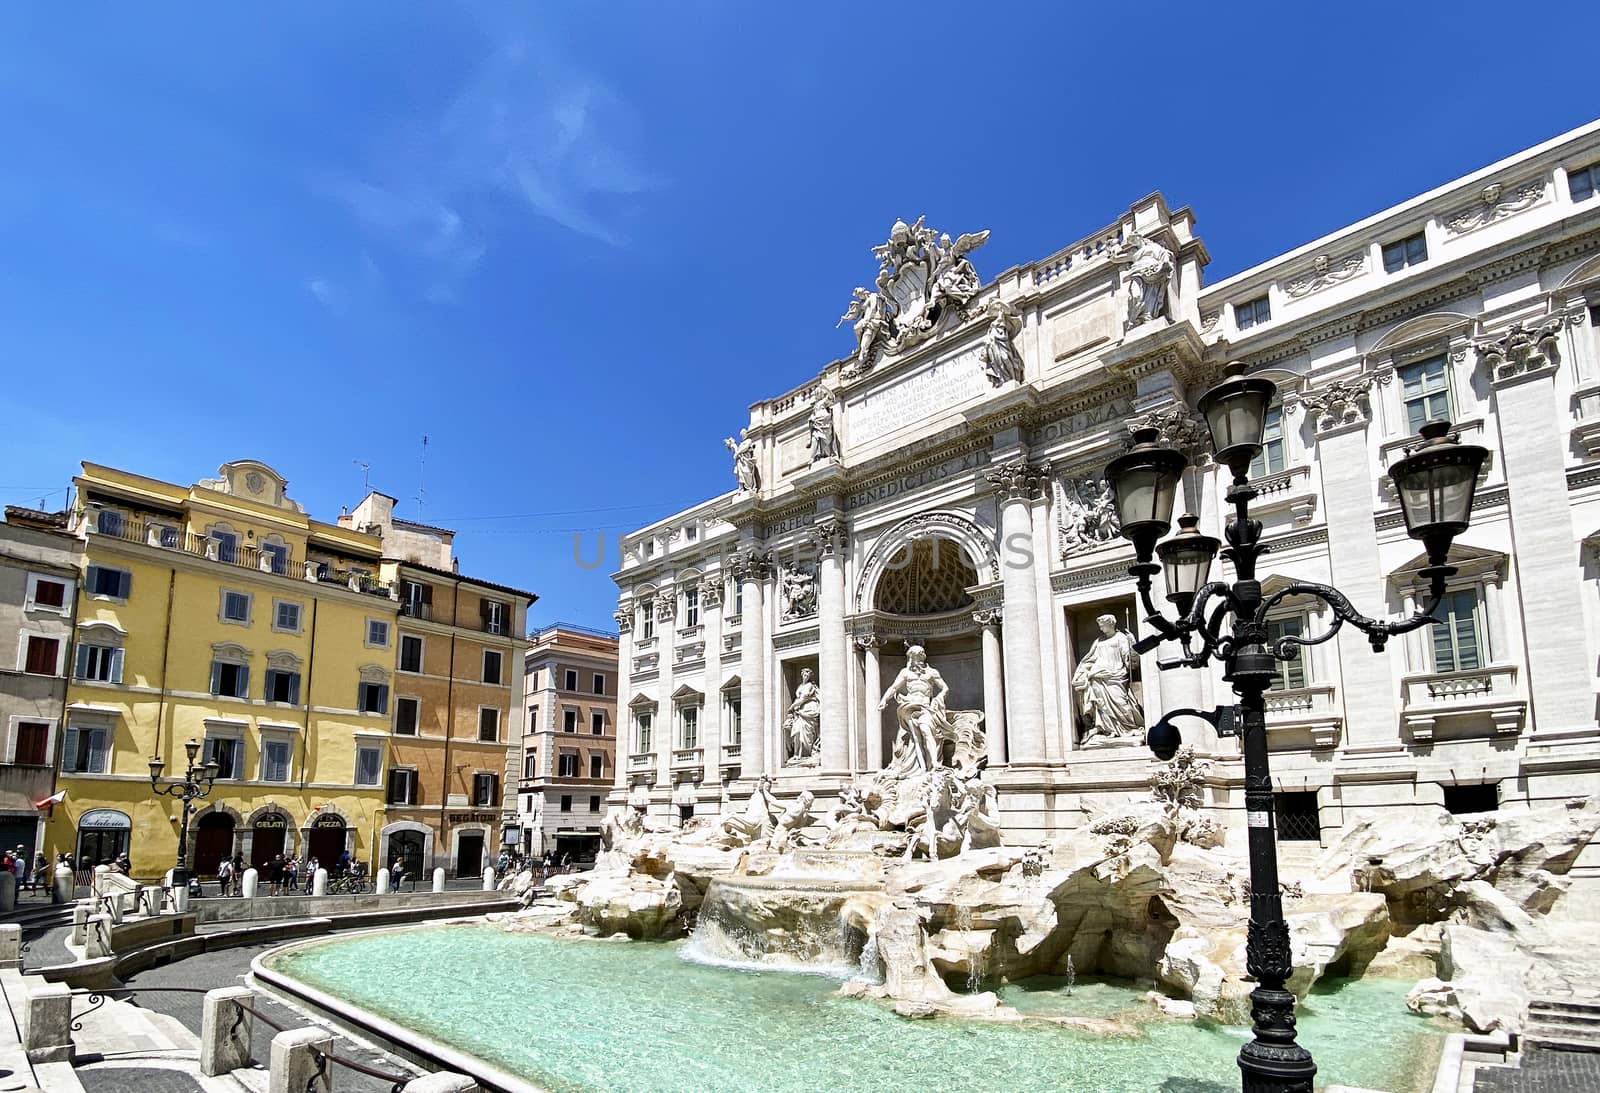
x,y
275,874
312,865
41,870
238,874
289,869
397,874
224,877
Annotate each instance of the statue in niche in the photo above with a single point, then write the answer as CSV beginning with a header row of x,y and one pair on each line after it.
x,y
799,592
1149,272
871,321
1102,683
930,736
1088,515
744,462
802,722
824,440
998,351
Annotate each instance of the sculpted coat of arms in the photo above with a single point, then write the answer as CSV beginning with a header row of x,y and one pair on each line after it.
x,y
925,282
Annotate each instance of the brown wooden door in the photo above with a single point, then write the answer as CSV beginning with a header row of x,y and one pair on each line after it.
x,y
213,841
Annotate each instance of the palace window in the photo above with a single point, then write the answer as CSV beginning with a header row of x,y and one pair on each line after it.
x,y
101,663
485,789
1582,184
738,596
1425,391
30,744
1288,675
236,607
597,765
1298,817
369,765
407,713
1458,640
647,623
377,634
227,752
569,720
643,722
277,760
1270,460
402,786
286,616
86,750
230,680
566,802
567,764
1410,251
491,666
735,721
410,653
691,607
373,697
46,594
597,723
114,584
283,685
1252,313
599,683
488,724
571,679
689,727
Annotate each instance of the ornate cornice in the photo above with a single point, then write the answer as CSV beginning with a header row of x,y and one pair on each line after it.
x,y
1091,577
666,606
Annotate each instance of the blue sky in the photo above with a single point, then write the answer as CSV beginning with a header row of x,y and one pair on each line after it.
x,y
571,243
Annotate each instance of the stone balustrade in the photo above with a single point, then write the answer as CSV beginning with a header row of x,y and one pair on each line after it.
x,y
1489,699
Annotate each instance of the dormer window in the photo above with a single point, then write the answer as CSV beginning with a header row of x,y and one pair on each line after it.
x,y
1252,313
1410,251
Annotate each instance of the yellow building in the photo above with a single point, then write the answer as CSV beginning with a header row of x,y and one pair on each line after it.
x,y
221,613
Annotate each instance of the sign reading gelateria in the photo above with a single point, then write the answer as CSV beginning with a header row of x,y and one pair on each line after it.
x,y
104,819
916,397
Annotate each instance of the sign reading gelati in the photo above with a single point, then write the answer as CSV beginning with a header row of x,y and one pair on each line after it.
x,y
272,820
104,819
328,820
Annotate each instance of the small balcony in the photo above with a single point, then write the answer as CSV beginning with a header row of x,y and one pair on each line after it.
x,y
644,761
1483,699
731,755
688,758
1308,710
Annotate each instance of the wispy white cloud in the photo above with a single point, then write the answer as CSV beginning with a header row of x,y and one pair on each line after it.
x,y
524,133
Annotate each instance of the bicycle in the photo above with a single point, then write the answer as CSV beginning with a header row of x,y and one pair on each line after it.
x,y
347,885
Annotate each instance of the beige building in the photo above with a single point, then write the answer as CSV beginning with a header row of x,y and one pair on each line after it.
x,y
38,598
569,746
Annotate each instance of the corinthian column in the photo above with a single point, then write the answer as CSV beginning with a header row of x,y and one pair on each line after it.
x,y
872,717
1018,483
623,726
994,698
711,712
834,659
750,567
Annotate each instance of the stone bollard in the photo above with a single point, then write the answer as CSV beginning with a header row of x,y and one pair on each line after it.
x,y
113,905
47,1024
225,1031
488,880
8,891
180,899
80,919
299,1062
382,887
319,882
247,887
442,1082
10,945
438,879
97,937
62,884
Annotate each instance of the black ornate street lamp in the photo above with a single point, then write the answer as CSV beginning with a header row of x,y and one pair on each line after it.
x,y
190,790
1435,483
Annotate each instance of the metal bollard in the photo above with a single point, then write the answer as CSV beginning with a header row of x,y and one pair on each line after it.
x,y
47,1024
300,1062
225,1031
442,1082
438,879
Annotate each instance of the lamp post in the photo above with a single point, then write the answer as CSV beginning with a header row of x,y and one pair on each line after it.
x,y
189,789
1435,483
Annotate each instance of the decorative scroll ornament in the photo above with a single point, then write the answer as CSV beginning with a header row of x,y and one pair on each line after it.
x,y
989,616
1179,428
998,351
710,593
749,564
1493,204
1337,404
925,282
1325,273
666,607
1017,479
1521,350
1208,320
1088,514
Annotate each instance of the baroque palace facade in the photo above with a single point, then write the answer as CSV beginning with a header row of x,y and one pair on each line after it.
x,y
288,649
943,486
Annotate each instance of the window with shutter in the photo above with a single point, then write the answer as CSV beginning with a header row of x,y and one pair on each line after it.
x,y
41,655
410,653
406,716
488,725
33,744
373,698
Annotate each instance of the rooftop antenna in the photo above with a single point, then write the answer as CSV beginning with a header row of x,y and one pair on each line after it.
x,y
366,482
421,463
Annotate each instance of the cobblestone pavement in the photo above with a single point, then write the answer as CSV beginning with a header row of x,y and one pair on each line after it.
x,y
1543,1071
143,1079
47,945
228,968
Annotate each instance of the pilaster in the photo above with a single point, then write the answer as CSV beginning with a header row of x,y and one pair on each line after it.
x,y
711,712
833,653
1018,482
872,688
624,719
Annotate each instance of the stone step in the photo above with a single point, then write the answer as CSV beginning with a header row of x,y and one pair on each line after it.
x,y
1560,1038
119,1028
1557,1019
1567,1006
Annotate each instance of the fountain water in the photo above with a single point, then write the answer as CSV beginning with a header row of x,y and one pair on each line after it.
x,y
1072,976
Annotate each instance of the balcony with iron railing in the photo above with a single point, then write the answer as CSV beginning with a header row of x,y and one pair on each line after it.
x,y
262,559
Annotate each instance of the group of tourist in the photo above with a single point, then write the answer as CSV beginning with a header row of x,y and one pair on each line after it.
x,y
509,864
282,874
15,862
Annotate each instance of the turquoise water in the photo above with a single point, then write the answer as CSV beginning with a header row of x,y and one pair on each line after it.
x,y
574,1015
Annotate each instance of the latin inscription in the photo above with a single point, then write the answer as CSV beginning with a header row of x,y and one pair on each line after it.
x,y
917,479
917,397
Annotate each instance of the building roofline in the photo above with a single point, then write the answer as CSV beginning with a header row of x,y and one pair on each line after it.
x,y
404,564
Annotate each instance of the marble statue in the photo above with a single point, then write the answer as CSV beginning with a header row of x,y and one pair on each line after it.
x,y
799,592
998,351
1149,272
1088,515
824,440
1102,684
744,462
930,736
977,817
786,830
802,722
871,321
755,822
954,281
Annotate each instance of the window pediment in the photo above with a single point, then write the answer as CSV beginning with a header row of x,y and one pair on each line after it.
x,y
687,696
642,703
230,653
374,673
100,632
283,660
1472,563
734,686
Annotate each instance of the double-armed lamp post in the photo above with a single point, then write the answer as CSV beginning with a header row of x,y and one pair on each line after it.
x,y
1435,482
189,789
